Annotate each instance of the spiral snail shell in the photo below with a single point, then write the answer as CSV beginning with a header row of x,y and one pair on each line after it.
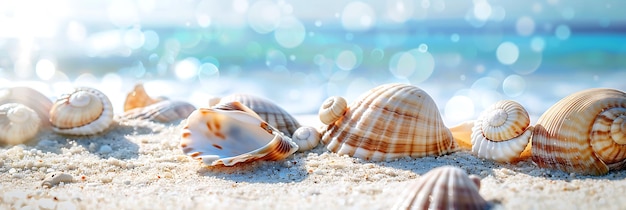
x,y
306,137
388,122
583,133
18,123
30,98
84,111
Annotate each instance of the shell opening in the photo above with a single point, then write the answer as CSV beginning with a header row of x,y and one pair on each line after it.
x,y
618,130
80,99
19,114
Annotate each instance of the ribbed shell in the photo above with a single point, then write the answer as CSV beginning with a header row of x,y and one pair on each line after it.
x,y
269,111
84,111
583,133
388,122
502,132
18,123
446,187
30,98
164,111
138,98
232,133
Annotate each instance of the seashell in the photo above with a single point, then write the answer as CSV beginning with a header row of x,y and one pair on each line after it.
x,y
332,109
501,133
54,178
139,98
18,123
163,111
388,122
232,133
583,133
269,111
84,111
306,137
446,187
28,97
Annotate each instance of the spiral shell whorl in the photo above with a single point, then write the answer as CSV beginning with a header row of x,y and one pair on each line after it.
x,y
85,111
306,137
18,123
30,98
332,109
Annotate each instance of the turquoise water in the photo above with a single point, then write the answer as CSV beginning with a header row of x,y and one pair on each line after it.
x,y
466,55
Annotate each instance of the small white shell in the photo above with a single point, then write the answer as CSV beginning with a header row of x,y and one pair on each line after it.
x,y
18,123
164,111
54,178
231,133
85,111
30,98
306,137
332,109
446,187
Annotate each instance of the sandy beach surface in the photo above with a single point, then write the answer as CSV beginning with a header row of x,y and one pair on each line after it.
x,y
138,165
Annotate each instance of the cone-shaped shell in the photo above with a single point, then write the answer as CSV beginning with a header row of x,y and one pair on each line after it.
x,y
84,111
446,187
583,133
269,111
138,98
163,111
502,132
18,123
30,98
231,133
388,122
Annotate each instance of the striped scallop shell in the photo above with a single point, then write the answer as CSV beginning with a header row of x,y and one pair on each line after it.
x,y
138,98
231,133
84,111
163,111
30,98
583,133
18,123
388,122
269,111
446,187
502,132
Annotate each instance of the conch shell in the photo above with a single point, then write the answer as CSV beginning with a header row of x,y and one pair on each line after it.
x,y
84,111
18,123
583,133
163,111
388,122
30,98
269,111
232,133
446,187
138,98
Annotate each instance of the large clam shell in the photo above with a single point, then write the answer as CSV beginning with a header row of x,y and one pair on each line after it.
x,y
269,111
84,111
446,187
18,123
138,98
163,111
388,122
231,133
30,98
583,133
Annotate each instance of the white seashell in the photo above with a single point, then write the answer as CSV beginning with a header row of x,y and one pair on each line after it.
x,y
54,178
232,133
388,122
306,137
446,187
30,98
583,133
18,123
163,111
138,98
332,109
85,111
502,132
269,111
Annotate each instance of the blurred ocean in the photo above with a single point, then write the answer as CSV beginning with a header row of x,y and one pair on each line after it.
x,y
466,55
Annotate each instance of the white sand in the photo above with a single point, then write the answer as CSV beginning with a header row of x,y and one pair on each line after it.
x,y
138,165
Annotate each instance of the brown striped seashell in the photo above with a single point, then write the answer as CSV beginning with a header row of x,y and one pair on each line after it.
x,y
306,137
30,98
84,111
269,111
332,109
18,123
232,133
163,111
446,187
583,133
501,133
138,98
389,122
